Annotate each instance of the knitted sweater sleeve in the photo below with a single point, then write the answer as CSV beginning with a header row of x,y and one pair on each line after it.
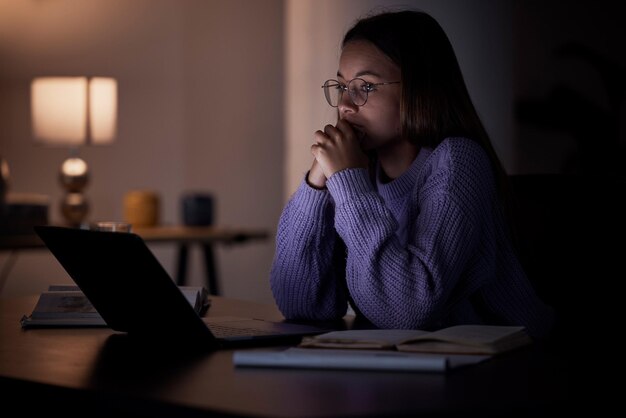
x,y
308,271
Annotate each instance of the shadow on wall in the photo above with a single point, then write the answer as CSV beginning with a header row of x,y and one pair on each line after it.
x,y
595,129
571,225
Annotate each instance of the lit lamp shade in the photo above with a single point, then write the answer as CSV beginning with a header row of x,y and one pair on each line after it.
x,y
71,112
74,111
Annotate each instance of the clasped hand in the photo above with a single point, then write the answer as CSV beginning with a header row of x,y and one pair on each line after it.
x,y
336,148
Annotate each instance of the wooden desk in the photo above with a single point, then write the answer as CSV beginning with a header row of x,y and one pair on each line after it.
x,y
206,237
97,372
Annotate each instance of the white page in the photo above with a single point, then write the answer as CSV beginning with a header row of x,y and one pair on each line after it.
x,y
369,338
394,336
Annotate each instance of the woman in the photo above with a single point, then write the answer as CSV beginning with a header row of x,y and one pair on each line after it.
x,y
402,211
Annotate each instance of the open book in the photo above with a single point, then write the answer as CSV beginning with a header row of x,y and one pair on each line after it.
x,y
67,306
459,339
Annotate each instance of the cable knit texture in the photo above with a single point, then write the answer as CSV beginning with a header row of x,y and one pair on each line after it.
x,y
428,250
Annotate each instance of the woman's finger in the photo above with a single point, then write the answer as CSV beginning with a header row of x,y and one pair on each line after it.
x,y
345,129
320,137
332,132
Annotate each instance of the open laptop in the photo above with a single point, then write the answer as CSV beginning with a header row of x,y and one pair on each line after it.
x,y
133,293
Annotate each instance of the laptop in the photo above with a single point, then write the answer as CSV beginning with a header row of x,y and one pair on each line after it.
x,y
134,294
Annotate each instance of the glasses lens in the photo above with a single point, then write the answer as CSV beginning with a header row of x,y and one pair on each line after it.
x,y
357,89
332,91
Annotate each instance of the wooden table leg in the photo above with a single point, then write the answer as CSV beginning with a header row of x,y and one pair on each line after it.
x,y
211,274
181,275
209,264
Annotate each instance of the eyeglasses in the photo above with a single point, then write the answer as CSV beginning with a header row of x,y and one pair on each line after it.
x,y
357,88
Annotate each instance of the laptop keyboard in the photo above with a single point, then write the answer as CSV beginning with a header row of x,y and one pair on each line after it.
x,y
224,331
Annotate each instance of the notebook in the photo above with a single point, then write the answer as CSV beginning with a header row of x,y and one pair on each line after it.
x,y
149,304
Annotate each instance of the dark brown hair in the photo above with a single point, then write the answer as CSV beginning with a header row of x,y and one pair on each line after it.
x,y
435,103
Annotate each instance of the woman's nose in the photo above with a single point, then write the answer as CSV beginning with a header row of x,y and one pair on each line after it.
x,y
346,104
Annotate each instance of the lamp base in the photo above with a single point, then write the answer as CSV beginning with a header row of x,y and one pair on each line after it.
x,y
74,176
74,208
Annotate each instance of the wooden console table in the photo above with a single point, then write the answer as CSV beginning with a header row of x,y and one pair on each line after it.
x,y
184,236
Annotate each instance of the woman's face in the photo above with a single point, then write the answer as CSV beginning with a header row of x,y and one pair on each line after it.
x,y
377,122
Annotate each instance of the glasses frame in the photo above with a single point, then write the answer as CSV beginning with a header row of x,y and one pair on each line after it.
x,y
345,87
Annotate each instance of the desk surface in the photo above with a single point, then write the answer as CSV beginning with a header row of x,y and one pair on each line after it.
x,y
71,369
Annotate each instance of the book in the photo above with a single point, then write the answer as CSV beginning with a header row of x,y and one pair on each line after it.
x,y
67,306
459,339
354,359
392,349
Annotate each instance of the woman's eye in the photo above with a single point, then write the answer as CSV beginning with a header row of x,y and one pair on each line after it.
x,y
367,87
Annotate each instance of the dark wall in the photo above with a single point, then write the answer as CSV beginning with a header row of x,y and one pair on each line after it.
x,y
570,123
569,86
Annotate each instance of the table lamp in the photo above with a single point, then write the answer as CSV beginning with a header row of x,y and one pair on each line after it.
x,y
74,112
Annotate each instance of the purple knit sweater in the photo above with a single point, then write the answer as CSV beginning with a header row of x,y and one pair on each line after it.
x,y
425,251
